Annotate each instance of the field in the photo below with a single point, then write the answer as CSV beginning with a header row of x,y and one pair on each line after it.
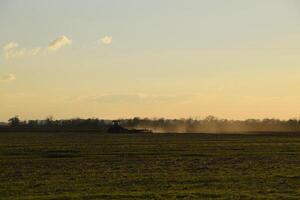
x,y
155,166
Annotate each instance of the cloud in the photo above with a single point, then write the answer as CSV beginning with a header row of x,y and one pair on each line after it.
x,y
115,98
106,40
59,43
10,45
7,77
12,50
21,52
131,98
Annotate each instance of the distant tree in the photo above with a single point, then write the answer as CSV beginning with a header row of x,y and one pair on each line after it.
x,y
49,121
211,118
32,123
14,121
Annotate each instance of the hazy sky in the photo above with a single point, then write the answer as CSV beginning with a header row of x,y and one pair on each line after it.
x,y
150,58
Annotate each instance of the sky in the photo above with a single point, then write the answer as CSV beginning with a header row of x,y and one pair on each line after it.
x,y
160,58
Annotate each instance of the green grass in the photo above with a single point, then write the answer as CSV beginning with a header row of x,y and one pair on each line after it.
x,y
157,166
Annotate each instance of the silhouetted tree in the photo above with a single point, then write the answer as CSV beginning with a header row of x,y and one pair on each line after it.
x,y
49,121
208,124
14,121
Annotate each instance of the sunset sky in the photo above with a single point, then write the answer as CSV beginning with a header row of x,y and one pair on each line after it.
x,y
150,58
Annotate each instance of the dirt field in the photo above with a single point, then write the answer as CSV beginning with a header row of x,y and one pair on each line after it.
x,y
154,166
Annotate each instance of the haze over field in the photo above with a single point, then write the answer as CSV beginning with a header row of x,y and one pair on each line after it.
x,y
109,59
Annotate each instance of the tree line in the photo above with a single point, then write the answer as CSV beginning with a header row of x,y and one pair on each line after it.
x,y
190,125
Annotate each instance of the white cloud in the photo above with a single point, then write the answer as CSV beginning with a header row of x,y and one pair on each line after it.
x,y
106,40
12,50
7,77
10,45
21,52
59,43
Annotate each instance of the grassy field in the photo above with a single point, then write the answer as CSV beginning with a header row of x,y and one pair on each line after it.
x,y
156,166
